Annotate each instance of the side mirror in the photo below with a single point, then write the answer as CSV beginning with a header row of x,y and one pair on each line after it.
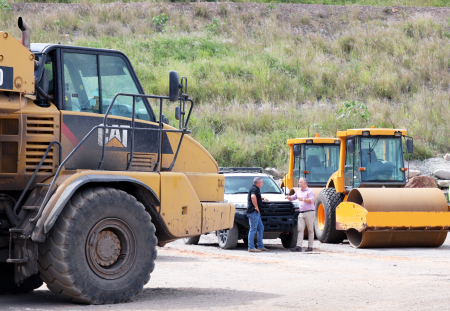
x,y
351,146
177,113
409,146
174,86
296,150
165,120
285,190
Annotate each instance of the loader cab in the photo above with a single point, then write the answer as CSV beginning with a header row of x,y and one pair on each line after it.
x,y
81,80
315,161
374,161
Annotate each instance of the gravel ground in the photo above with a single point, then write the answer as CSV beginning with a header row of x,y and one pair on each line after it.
x,y
334,277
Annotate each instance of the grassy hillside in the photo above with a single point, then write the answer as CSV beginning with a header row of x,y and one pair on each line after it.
x,y
263,73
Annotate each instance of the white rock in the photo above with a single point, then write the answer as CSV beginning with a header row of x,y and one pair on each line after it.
x,y
273,171
447,157
443,183
413,173
442,174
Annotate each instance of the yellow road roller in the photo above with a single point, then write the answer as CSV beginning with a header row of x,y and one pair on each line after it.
x,y
365,200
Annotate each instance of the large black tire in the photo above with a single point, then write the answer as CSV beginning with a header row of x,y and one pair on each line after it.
x,y
228,238
8,286
101,249
290,240
325,221
193,240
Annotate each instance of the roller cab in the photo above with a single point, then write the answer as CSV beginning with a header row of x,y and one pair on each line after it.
x,y
314,158
371,204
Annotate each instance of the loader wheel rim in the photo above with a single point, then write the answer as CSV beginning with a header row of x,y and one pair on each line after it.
x,y
321,217
111,248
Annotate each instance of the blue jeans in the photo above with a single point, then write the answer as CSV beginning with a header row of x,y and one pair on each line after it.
x,y
256,226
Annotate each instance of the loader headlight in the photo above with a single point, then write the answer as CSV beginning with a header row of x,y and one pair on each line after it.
x,y
365,133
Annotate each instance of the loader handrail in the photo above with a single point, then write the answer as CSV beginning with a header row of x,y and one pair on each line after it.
x,y
104,126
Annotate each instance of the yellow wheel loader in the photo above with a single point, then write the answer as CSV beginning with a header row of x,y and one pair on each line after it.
x,y
366,201
91,178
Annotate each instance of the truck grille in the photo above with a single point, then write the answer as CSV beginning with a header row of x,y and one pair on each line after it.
x,y
142,162
9,126
9,153
277,209
35,152
40,126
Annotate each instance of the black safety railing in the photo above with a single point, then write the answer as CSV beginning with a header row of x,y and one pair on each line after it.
x,y
183,99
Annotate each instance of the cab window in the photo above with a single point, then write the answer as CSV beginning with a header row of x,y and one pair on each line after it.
x,y
116,78
81,82
86,74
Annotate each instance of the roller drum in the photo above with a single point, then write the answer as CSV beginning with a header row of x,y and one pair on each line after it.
x,y
387,200
399,199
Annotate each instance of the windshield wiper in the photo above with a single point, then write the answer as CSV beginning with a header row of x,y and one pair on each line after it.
x,y
371,149
272,192
325,156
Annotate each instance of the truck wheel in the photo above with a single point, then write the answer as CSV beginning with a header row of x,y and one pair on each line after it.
x,y
101,249
325,216
193,240
228,239
290,240
8,285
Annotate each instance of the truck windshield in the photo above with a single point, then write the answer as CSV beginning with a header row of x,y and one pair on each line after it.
x,y
383,158
321,162
242,184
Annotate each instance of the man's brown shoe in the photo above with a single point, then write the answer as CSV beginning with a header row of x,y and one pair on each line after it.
x,y
264,249
254,250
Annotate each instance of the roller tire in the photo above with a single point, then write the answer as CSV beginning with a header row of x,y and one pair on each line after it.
x,y
330,200
7,283
66,264
290,240
193,240
228,239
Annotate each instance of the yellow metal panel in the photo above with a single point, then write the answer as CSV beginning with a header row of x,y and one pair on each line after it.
x,y
150,179
192,156
217,216
180,207
209,187
21,61
373,131
350,216
408,219
316,140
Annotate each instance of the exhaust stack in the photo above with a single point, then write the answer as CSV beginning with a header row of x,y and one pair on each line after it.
x,y
26,32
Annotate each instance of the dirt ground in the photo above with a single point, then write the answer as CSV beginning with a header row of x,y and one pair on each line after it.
x,y
334,277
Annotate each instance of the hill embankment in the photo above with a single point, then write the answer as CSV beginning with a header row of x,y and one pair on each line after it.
x,y
263,73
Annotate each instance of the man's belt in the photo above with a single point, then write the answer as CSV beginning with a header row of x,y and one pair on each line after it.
x,y
301,212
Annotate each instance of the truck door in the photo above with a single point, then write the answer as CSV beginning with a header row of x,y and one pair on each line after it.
x,y
91,80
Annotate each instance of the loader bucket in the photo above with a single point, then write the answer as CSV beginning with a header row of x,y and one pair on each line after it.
x,y
394,217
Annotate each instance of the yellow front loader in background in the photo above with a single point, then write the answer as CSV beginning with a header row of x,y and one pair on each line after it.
x,y
365,199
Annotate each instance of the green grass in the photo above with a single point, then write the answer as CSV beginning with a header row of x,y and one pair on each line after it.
x,y
260,76
415,3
